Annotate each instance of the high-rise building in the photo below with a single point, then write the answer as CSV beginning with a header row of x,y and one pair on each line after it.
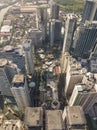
x,y
54,11
1,102
74,118
85,40
93,65
54,120
33,118
55,31
64,61
42,14
94,52
5,85
20,91
74,75
11,69
90,11
42,25
70,25
85,95
29,56
36,36
43,28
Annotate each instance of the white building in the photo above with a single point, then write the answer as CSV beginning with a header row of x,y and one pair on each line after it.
x,y
29,56
6,29
20,91
86,97
64,61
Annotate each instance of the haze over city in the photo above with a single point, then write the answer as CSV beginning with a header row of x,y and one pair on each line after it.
x,y
48,65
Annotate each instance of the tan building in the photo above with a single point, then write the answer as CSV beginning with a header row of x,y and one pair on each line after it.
x,y
64,61
54,120
74,118
74,75
34,118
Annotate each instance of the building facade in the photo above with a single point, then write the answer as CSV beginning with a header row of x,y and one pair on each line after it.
x,y
85,40
70,25
55,31
74,75
29,56
86,97
90,11
54,11
20,91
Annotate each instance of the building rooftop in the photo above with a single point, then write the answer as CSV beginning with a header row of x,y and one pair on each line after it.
x,y
6,28
33,117
75,115
54,120
18,79
3,62
28,9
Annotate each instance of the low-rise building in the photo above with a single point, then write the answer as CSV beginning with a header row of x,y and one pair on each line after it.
x,y
54,120
34,118
74,118
6,29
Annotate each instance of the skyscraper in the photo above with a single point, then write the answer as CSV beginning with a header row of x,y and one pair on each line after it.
x,y
36,36
29,56
86,97
85,40
20,91
74,75
42,12
64,61
55,31
90,11
4,82
70,25
54,11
